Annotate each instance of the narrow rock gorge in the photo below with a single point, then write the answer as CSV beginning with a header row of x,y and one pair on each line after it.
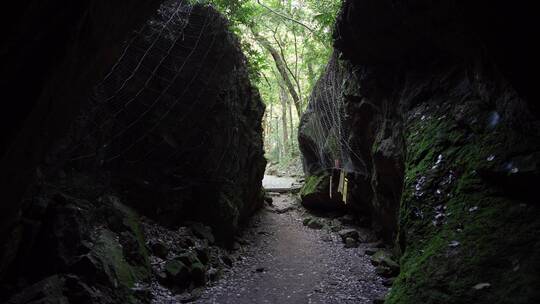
x,y
135,144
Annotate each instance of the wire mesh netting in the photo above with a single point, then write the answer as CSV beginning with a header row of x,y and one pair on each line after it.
x,y
158,81
324,135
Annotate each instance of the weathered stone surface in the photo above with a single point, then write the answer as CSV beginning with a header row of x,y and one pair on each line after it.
x,y
159,249
349,233
351,243
444,118
203,232
314,224
177,273
46,291
373,146
315,193
384,258
181,143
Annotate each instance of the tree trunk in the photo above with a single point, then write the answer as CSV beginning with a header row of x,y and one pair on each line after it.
x,y
281,67
268,137
278,142
283,98
291,120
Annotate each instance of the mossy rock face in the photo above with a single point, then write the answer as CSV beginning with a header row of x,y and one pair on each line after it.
x,y
98,244
459,226
108,257
315,193
177,273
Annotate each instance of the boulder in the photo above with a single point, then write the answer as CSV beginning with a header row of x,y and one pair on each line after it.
x,y
159,249
177,273
351,243
313,223
198,274
315,194
202,231
349,233
383,259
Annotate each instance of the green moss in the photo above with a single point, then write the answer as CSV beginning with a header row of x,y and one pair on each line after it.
x,y
131,220
108,252
314,184
483,237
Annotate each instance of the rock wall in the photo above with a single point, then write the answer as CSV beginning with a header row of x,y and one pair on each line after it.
x,y
52,54
445,120
148,115
176,123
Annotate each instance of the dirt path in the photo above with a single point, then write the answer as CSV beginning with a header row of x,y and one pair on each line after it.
x,y
278,184
284,261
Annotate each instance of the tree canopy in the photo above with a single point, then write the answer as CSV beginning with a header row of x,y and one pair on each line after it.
x,y
287,43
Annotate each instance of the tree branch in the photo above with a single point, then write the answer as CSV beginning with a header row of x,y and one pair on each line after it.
x,y
285,16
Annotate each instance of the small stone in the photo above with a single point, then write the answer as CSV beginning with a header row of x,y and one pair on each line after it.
x,y
388,282
260,269
384,259
349,233
188,258
227,260
198,274
335,228
370,251
203,255
384,271
177,272
315,224
203,232
281,210
351,243
326,238
159,249
191,296
185,242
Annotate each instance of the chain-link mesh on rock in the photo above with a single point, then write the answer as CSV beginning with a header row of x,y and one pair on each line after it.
x,y
177,116
323,132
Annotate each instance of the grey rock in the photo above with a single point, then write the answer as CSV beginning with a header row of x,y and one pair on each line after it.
x,y
177,273
315,224
347,219
159,249
349,233
203,232
351,243
198,274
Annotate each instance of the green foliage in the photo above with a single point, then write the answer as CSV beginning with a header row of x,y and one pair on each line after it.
x,y
301,31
